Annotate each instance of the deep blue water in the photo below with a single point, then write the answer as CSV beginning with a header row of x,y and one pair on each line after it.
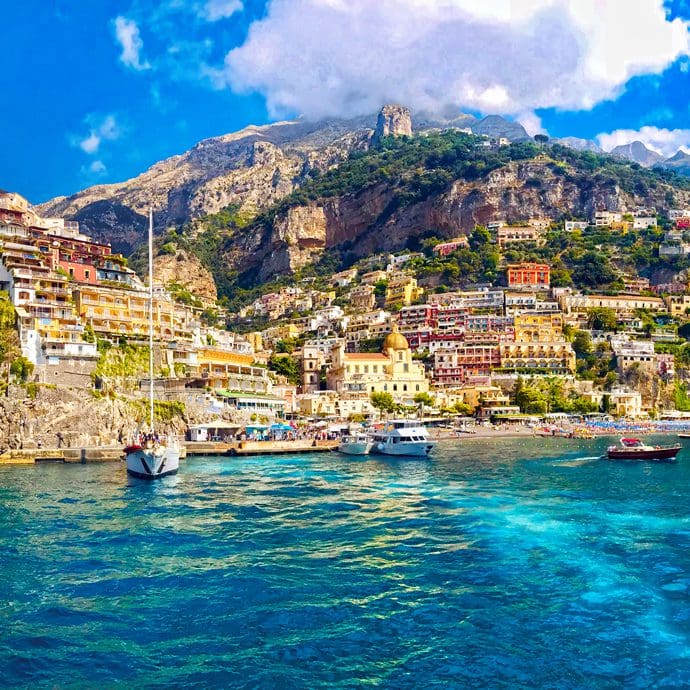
x,y
526,563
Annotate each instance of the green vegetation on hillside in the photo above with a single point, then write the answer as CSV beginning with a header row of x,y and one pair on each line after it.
x,y
415,168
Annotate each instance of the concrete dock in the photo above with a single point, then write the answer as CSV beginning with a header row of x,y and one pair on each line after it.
x,y
258,447
29,456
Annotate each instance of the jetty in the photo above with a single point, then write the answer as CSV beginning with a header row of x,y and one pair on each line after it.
x,y
94,454
259,447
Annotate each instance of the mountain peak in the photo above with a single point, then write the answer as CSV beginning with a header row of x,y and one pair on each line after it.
x,y
393,120
639,153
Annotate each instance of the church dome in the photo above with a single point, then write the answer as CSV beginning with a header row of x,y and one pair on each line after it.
x,y
395,340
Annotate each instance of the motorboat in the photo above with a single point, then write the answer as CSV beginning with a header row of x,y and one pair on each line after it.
x,y
150,456
356,444
635,449
402,437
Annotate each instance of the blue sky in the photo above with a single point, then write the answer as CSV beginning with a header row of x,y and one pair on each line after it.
x,y
96,92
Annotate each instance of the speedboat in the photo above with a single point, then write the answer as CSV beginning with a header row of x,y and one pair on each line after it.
x,y
635,449
402,437
355,444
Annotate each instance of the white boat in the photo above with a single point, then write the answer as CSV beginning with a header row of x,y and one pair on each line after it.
x,y
355,444
402,437
150,456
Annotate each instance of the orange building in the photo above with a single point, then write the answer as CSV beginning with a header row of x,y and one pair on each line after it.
x,y
528,275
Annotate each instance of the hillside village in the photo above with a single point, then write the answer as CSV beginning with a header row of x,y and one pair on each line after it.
x,y
378,336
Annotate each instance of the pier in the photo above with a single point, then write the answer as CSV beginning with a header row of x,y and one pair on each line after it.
x,y
93,454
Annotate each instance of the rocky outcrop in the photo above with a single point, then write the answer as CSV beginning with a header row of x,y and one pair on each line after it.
x,y
393,121
186,270
365,223
251,168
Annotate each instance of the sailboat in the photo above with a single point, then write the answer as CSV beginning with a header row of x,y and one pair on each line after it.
x,y
151,456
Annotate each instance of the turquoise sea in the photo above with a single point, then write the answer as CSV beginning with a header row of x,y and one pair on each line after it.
x,y
495,564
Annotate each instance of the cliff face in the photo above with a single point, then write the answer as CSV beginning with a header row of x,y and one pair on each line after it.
x,y
362,224
252,168
186,270
393,120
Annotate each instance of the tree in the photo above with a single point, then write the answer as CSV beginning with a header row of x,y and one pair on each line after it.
x,y
286,366
541,138
582,343
286,346
424,399
602,319
463,409
383,401
21,368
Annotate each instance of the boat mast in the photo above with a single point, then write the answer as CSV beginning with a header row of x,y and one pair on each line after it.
x,y
151,320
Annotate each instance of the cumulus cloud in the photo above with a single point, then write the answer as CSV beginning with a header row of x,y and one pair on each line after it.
x,y
532,123
663,141
101,128
127,35
220,9
324,57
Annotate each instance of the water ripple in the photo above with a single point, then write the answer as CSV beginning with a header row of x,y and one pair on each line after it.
x,y
489,566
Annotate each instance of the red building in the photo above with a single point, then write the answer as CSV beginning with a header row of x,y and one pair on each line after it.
x,y
452,366
528,275
446,248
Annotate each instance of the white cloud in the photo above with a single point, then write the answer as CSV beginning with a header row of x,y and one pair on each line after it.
x,y
90,143
98,168
532,123
102,128
663,141
220,9
325,57
127,35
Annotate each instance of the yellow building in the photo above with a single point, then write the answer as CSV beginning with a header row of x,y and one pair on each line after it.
x,y
539,345
678,305
403,290
536,326
116,312
391,371
229,370
362,298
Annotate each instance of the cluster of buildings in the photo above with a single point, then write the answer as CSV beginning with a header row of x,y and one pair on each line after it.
x,y
70,291
465,346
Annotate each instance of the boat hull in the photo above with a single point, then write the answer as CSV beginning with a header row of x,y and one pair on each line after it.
x,y
356,448
415,449
153,463
652,454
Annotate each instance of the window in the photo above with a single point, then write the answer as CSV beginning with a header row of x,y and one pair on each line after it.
x,y
87,274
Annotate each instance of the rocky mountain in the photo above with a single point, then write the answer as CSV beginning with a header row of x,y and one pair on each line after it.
x,y
252,168
372,220
680,163
639,153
